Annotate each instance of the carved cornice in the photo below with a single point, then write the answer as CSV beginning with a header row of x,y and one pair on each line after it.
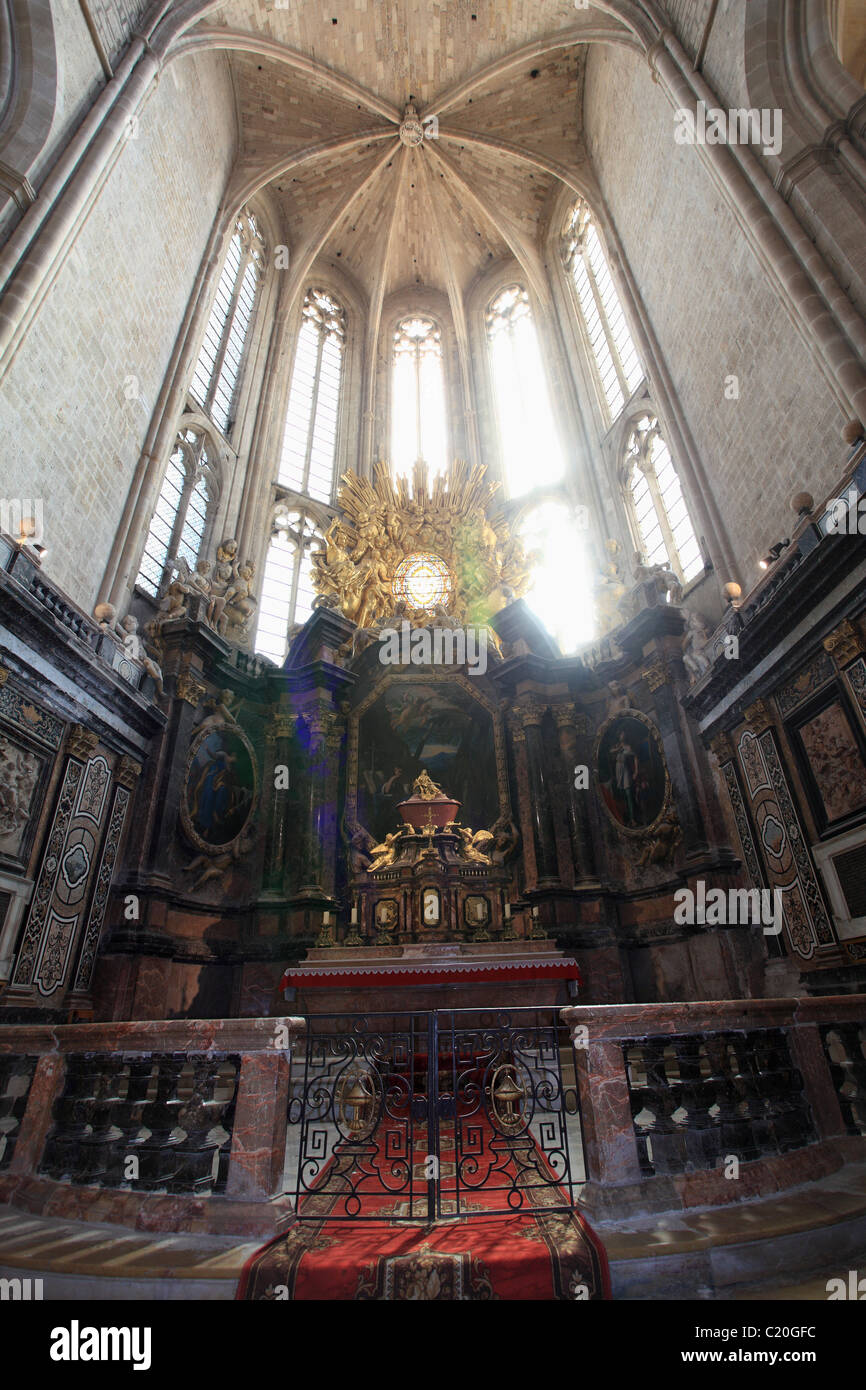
x,y
188,688
81,742
844,644
127,771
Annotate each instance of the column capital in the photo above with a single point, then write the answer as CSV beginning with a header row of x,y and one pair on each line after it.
x,y
81,742
844,644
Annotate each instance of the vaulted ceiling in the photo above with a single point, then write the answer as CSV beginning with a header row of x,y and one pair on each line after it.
x,y
322,90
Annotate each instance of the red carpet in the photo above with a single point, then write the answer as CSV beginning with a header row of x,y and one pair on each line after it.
x,y
533,1254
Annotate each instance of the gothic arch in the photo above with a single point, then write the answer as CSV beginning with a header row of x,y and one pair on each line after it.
x,y
28,91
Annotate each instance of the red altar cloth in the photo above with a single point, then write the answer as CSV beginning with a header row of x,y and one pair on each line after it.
x,y
320,976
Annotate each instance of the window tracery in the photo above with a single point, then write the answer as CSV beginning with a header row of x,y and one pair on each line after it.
x,y
418,412
616,359
309,447
287,584
184,510
217,375
658,508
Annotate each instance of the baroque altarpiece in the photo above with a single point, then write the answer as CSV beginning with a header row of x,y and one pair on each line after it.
x,y
426,793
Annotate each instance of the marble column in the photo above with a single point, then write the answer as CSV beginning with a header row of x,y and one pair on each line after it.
x,y
530,713
573,729
276,802
325,736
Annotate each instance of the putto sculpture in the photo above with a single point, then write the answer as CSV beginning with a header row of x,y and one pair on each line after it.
x,y
225,587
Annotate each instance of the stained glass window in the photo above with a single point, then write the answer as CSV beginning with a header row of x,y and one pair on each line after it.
x,y
422,581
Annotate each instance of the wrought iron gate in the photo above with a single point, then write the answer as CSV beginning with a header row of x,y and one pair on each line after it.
x,y
425,1115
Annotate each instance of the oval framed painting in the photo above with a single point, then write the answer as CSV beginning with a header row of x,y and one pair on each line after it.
x,y
220,789
632,774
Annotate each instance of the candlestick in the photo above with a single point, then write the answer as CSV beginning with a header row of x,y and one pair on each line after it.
x,y
354,916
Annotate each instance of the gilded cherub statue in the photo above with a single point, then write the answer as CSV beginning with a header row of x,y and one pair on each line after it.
x,y
383,856
473,843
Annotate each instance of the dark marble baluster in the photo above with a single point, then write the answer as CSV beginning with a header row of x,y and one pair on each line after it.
x,y
159,1163
202,1113
99,1147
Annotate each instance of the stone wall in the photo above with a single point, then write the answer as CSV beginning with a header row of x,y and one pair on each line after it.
x,y
713,311
79,395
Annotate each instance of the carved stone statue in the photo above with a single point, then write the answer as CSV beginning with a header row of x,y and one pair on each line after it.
x,y
665,839
506,838
226,586
360,848
221,710
695,638
238,606
19,770
216,866
135,650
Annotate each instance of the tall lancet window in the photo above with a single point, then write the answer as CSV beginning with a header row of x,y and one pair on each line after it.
x,y
287,584
560,591
418,417
619,368
185,507
659,509
310,439
217,375
531,450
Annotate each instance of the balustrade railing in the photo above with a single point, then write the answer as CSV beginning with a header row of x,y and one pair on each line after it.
x,y
16,1076
696,1099
845,1046
153,1123
146,1122
672,1092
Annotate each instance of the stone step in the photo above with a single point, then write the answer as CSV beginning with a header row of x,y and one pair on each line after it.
x,y
721,1252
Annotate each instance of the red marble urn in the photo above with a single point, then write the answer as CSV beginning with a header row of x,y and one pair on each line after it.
x,y
428,805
